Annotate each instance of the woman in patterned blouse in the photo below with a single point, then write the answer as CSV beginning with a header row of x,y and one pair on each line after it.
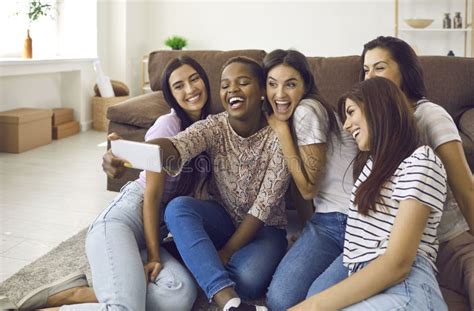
x,y
233,242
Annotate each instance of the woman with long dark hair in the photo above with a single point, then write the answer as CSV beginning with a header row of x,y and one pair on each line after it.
x,y
130,270
318,154
390,245
394,59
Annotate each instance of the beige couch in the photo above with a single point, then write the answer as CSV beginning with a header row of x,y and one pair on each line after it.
x,y
449,82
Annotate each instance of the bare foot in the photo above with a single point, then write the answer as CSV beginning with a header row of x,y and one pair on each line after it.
x,y
224,295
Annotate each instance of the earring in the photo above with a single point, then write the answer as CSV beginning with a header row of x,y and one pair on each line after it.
x,y
262,98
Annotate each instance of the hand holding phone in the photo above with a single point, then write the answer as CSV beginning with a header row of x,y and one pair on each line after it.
x,y
140,155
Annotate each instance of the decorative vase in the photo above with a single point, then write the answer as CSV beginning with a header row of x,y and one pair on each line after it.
x,y
446,21
457,20
28,47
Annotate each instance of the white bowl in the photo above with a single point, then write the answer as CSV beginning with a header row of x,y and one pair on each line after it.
x,y
418,22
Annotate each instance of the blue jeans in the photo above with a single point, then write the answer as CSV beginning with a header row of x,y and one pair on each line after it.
x,y
335,273
320,243
116,250
200,228
419,291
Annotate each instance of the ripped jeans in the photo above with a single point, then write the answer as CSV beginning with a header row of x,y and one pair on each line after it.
x,y
116,250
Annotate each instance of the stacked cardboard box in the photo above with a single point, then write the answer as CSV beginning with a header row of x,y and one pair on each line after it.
x,y
63,123
24,129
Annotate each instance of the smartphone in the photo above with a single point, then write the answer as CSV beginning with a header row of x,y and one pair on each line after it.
x,y
140,155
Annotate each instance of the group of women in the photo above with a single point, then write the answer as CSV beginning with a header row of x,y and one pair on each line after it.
x,y
372,248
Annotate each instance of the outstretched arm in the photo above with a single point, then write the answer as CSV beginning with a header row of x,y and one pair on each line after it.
x,y
385,271
169,154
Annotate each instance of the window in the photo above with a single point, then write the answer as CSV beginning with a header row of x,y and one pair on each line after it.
x,y
72,32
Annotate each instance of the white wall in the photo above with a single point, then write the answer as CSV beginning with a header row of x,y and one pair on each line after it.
x,y
77,35
316,28
129,29
29,91
123,36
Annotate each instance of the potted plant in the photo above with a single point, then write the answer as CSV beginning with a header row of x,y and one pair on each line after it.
x,y
36,9
176,42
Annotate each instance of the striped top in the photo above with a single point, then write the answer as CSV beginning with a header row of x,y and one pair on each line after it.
x,y
421,177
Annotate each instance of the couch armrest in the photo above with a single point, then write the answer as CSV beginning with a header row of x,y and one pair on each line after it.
x,y
466,130
130,120
141,111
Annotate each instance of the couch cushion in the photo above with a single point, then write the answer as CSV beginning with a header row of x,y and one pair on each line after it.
x,y
211,61
447,82
141,111
334,75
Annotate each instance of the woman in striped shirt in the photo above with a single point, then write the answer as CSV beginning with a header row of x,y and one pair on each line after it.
x,y
396,205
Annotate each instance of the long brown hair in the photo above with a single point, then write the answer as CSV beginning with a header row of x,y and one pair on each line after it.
x,y
190,174
393,134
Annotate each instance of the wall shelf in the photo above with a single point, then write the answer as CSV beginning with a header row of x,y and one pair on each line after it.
x,y
418,34
435,29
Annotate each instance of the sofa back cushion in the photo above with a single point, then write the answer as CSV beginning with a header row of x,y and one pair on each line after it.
x,y
450,82
211,61
334,75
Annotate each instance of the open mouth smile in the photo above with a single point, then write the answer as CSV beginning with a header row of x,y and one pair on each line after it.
x,y
282,106
355,133
235,102
194,99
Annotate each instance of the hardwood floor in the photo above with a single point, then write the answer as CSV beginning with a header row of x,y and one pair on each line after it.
x,y
47,195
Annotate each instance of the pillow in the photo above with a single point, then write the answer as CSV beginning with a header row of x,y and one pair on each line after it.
x,y
120,89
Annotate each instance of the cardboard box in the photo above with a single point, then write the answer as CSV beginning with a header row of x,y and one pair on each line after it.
x,y
66,129
62,115
24,129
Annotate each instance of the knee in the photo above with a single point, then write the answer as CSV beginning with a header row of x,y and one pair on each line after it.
x,y
178,207
170,293
250,285
277,297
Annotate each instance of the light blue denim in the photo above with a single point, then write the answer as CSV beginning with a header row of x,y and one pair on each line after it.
x,y
419,291
320,243
200,228
116,250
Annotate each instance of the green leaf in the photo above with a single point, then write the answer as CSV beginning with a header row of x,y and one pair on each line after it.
x,y
176,42
38,9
